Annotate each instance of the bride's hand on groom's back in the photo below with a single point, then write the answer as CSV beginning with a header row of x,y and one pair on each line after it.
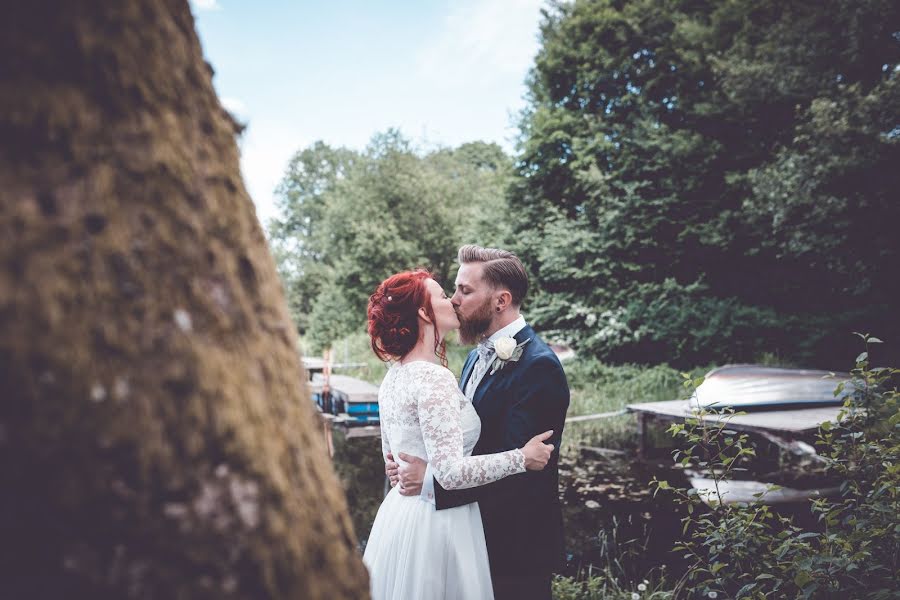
x,y
536,452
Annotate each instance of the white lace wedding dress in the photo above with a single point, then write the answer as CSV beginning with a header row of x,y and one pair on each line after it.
x,y
414,551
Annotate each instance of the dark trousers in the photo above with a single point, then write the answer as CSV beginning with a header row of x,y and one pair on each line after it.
x,y
517,587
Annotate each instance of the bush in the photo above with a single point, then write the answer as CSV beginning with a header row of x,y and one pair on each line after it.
x,y
739,551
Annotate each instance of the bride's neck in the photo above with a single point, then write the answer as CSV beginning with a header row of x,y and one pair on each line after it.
x,y
424,348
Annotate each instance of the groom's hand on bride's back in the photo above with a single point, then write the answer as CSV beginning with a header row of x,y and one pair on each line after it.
x,y
392,469
411,474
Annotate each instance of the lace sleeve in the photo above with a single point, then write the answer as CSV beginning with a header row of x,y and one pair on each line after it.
x,y
439,418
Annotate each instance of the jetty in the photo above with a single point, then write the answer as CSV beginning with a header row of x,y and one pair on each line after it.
x,y
343,402
786,407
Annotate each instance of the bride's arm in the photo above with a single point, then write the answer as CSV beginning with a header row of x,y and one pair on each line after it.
x,y
439,418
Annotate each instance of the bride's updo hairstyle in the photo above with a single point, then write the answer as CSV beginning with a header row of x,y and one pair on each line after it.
x,y
393,315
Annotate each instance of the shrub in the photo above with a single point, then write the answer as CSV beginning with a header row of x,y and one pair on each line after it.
x,y
747,551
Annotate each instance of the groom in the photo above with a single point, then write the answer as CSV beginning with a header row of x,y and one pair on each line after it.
x,y
521,514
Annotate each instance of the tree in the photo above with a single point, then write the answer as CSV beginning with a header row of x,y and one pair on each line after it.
x,y
694,179
298,240
388,208
156,439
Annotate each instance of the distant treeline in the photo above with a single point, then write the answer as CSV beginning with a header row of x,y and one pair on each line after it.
x,y
694,182
349,219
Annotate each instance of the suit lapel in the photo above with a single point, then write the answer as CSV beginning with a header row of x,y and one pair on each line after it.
x,y
525,333
488,379
467,370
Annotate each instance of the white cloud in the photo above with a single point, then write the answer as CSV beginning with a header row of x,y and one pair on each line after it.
x,y
482,40
235,106
266,149
206,4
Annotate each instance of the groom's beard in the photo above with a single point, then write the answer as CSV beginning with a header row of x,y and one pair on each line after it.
x,y
472,328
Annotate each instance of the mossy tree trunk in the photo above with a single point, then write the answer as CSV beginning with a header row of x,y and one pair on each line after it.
x,y
156,439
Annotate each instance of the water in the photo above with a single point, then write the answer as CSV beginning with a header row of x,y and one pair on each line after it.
x,y
612,519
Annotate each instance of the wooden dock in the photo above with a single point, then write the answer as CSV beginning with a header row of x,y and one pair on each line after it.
x,y
346,395
348,390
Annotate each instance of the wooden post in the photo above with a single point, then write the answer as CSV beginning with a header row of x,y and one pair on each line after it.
x,y
642,435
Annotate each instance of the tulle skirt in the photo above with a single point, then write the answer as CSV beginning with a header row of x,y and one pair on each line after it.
x,y
418,553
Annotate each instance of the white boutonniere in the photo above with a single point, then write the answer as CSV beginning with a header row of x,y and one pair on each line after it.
x,y
507,351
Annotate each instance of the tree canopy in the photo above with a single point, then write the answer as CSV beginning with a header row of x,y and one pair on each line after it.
x,y
348,219
708,181
694,182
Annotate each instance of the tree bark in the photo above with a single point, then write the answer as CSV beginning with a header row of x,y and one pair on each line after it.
x,y
156,436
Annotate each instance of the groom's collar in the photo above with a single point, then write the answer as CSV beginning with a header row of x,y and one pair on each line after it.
x,y
510,330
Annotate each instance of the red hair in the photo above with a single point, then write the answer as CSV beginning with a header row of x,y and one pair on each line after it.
x,y
393,315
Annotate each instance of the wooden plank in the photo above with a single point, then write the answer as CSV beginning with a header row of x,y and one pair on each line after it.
x,y
642,434
318,364
790,421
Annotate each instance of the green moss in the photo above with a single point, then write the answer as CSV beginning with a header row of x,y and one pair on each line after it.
x,y
155,427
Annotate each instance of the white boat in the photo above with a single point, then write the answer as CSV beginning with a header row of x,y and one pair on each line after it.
x,y
747,492
754,386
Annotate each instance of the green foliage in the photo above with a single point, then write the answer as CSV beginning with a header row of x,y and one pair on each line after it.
x,y
701,181
601,585
355,348
747,551
329,316
625,383
297,237
349,219
658,321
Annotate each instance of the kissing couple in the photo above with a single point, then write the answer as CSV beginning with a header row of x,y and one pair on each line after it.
x,y
473,512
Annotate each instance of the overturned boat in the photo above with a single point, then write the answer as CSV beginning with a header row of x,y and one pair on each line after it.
x,y
749,387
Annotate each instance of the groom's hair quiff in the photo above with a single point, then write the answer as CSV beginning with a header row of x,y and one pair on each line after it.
x,y
502,269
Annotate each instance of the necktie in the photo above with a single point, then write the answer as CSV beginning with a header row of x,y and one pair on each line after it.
x,y
485,350
485,354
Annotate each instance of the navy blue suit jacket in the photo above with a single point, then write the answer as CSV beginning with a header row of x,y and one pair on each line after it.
x,y
521,513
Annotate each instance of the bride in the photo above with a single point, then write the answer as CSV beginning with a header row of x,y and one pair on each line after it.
x,y
414,551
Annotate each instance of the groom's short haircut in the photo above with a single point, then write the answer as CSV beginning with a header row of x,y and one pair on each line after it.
x,y
502,269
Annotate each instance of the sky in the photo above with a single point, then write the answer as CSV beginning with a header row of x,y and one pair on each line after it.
x,y
339,71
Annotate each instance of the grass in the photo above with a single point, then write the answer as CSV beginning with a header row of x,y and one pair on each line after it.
x,y
600,388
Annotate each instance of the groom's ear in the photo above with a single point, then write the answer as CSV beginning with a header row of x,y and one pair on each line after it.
x,y
502,301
